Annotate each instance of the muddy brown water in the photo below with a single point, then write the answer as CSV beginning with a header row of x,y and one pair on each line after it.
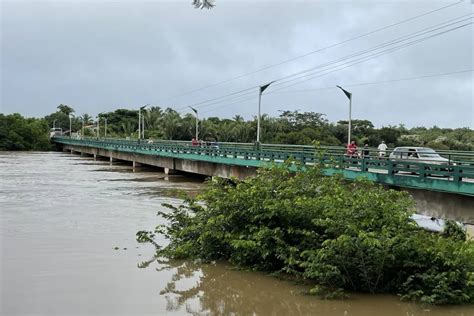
x,y
62,216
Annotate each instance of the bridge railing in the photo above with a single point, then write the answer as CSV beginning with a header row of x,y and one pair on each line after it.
x,y
308,155
464,157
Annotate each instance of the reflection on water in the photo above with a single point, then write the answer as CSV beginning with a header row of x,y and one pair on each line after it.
x,y
219,289
67,234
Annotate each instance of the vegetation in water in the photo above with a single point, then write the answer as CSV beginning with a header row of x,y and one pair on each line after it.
x,y
355,236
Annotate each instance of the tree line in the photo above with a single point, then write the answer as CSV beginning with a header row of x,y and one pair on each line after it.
x,y
290,127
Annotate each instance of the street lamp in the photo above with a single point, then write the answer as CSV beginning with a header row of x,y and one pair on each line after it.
x,y
197,122
262,88
141,122
349,96
98,126
82,120
105,127
70,125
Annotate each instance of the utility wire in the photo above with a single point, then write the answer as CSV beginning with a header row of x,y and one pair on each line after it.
x,y
366,58
352,85
313,52
311,70
369,57
377,47
374,82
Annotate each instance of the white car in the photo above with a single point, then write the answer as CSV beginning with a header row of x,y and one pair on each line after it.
x,y
421,154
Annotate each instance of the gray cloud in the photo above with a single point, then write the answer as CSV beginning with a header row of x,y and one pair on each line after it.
x,y
97,56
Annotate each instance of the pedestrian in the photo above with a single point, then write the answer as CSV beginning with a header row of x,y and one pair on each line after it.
x,y
194,142
382,150
366,152
352,149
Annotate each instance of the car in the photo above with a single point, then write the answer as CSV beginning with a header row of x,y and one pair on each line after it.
x,y
419,154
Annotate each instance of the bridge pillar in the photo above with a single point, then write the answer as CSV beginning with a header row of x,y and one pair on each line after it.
x,y
444,205
169,171
95,157
135,164
111,159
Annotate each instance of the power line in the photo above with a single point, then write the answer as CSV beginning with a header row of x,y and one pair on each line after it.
x,y
366,58
352,85
377,47
375,82
313,52
346,64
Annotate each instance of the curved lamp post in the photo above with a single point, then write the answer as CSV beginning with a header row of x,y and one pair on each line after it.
x,y
349,96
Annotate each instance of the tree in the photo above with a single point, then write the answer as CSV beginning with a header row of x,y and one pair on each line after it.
x,y
63,108
203,4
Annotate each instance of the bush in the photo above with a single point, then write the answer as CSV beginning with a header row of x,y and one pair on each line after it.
x,y
354,236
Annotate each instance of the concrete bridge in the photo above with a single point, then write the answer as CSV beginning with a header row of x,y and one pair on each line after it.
x,y
438,189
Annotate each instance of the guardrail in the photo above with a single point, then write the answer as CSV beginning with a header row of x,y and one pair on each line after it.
x,y
242,154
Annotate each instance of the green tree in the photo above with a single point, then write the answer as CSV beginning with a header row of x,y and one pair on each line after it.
x,y
342,235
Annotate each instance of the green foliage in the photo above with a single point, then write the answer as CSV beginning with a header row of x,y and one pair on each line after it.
x,y
354,236
290,127
19,133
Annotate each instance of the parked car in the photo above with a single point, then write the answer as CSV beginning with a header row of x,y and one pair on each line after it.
x,y
420,154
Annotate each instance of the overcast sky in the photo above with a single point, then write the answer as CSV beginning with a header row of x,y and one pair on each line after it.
x,y
97,56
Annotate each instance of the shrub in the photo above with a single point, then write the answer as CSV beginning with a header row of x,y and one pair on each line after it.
x,y
354,236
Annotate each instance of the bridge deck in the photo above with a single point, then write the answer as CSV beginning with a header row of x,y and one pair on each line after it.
x,y
454,177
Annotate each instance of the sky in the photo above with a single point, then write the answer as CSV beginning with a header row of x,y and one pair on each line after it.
x,y
97,56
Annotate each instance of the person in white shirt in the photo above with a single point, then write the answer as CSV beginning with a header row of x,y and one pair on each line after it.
x,y
382,149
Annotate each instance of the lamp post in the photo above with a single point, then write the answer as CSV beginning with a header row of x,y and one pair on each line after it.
x,y
197,122
98,126
141,122
262,88
105,127
82,120
349,96
70,125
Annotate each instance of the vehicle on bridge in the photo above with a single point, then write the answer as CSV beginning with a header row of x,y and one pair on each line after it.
x,y
420,154
55,131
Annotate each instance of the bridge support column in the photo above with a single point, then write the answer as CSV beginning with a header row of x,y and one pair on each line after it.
x,y
135,164
95,157
169,171
111,160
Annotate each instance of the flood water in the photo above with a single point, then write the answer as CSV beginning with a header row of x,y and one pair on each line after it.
x,y
62,216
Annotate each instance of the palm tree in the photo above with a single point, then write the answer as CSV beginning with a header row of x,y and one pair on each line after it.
x,y
63,108
238,118
87,119
201,4
153,118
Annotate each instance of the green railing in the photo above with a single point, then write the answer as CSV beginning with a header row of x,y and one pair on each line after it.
x,y
456,176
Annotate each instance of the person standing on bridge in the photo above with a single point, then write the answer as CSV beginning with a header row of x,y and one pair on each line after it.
x,y
194,142
382,150
352,149
366,152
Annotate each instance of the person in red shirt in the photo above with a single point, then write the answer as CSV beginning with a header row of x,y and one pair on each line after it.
x,y
352,149
194,142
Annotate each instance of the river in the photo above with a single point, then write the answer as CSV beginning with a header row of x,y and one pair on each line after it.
x,y
67,232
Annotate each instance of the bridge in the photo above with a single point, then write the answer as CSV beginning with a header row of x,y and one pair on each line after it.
x,y
241,160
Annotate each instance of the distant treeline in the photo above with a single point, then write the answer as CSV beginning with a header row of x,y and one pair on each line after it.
x,y
291,127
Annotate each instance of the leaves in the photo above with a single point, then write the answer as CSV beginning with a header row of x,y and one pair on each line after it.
x,y
354,236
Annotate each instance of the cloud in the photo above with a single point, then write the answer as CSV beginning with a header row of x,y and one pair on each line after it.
x,y
97,56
